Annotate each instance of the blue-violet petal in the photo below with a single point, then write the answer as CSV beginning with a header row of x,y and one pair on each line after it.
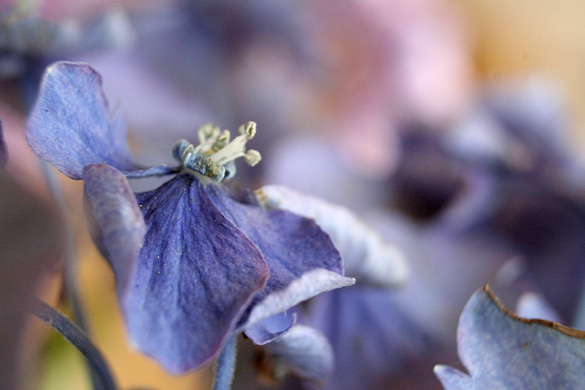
x,y
292,246
70,125
118,216
503,351
196,274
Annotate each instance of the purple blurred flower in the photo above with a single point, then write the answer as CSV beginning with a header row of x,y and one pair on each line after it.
x,y
193,265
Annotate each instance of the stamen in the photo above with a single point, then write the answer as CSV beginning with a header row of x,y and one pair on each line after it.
x,y
222,140
233,150
248,129
208,132
214,155
252,157
237,148
179,149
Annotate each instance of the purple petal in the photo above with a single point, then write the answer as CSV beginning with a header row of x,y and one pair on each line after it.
x,y
292,245
70,125
365,254
159,170
122,226
304,351
270,328
196,274
308,285
503,351
373,338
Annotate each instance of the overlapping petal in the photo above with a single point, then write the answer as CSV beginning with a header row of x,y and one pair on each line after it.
x,y
310,284
502,351
185,276
366,255
121,225
196,274
71,126
292,246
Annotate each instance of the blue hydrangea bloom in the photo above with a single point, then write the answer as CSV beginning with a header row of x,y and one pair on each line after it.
x,y
193,265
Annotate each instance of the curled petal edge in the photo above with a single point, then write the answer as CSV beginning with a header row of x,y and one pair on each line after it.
x,y
311,283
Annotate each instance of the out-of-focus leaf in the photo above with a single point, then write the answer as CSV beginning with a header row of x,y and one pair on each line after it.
x,y
503,351
31,242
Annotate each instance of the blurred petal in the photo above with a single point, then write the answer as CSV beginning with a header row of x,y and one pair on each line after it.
x,y
312,283
196,274
365,254
303,351
503,351
70,125
373,338
122,226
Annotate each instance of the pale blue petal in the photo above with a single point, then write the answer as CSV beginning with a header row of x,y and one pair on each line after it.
x,y
308,285
502,351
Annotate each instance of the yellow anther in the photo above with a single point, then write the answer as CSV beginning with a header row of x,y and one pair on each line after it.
x,y
248,129
252,157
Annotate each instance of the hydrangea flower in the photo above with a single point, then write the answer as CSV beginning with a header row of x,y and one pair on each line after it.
x,y
193,265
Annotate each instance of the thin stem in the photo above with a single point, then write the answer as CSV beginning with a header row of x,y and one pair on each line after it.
x,y
79,339
71,259
226,366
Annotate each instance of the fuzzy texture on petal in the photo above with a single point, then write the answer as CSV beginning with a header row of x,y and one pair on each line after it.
x,y
195,276
118,216
503,351
365,254
70,125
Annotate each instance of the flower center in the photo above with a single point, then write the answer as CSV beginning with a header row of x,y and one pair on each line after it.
x,y
213,157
